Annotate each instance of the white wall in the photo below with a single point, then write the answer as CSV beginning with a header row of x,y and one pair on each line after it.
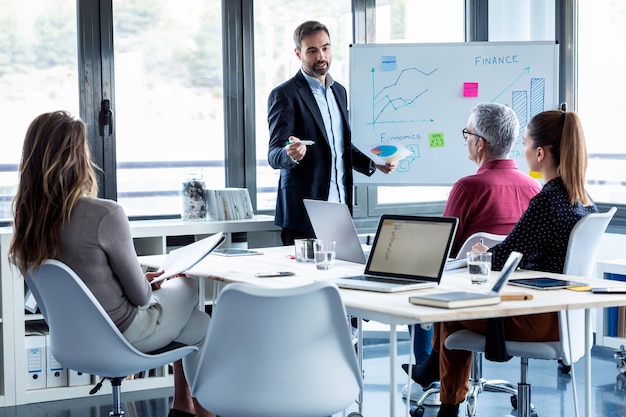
x,y
612,246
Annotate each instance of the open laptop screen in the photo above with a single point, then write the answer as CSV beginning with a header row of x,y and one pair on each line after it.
x,y
411,246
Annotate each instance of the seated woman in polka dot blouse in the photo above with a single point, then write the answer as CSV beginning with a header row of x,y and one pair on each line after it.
x,y
554,146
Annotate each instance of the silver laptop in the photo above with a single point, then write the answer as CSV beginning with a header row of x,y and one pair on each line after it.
x,y
333,221
409,252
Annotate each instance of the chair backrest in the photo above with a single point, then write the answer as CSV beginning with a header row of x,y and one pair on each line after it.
x,y
581,258
584,243
278,352
82,335
489,239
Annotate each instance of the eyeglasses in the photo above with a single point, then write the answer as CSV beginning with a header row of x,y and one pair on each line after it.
x,y
466,134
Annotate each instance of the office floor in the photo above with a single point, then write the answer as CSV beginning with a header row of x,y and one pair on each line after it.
x,y
551,391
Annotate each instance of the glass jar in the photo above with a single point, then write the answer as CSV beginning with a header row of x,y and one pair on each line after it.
x,y
194,203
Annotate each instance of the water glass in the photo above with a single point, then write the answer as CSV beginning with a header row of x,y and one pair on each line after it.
x,y
479,267
324,251
304,250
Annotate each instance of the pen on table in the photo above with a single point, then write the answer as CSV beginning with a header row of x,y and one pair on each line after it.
x,y
304,142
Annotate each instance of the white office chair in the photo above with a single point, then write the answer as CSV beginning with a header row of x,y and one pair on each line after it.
x,y
489,239
582,251
82,335
278,352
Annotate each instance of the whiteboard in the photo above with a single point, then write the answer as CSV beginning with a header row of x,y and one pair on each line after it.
x,y
421,95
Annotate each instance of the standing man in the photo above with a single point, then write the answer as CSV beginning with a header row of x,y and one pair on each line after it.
x,y
310,136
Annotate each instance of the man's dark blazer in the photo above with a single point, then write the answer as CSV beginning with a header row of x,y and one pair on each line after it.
x,y
293,111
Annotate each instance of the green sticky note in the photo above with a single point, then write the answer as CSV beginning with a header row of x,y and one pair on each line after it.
x,y
436,140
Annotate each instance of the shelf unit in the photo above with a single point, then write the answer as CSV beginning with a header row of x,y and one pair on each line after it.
x,y
150,238
613,266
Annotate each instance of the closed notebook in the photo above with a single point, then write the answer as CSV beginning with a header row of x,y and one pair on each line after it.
x,y
459,299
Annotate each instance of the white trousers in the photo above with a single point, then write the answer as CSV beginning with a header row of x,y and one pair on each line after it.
x,y
171,315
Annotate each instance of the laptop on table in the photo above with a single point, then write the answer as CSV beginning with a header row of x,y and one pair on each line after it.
x,y
333,221
408,253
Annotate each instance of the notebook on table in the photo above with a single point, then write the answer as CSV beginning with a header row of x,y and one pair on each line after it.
x,y
333,221
408,253
458,299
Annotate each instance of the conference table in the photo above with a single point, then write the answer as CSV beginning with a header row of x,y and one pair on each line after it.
x,y
394,309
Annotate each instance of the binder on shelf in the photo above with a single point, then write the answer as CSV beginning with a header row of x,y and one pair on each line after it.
x,y
36,361
56,374
621,321
613,313
75,378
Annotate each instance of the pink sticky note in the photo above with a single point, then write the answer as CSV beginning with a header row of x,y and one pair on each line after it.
x,y
470,89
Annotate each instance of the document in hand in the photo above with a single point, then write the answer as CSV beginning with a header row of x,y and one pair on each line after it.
x,y
181,259
381,153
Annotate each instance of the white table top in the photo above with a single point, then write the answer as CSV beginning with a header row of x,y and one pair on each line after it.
x,y
395,308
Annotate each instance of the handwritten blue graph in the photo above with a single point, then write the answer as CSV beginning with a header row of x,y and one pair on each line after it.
x,y
388,101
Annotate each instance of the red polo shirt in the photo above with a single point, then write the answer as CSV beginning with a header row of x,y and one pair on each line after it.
x,y
492,200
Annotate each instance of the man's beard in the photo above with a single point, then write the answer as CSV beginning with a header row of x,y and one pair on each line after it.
x,y
319,72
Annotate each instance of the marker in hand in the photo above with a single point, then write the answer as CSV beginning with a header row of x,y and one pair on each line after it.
x,y
305,142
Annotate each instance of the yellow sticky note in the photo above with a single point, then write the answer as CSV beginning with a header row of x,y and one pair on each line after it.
x,y
535,174
580,288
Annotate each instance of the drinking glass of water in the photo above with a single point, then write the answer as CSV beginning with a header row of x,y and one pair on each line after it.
x,y
324,252
479,267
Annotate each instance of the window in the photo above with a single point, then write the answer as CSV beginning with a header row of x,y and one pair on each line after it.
x,y
38,74
168,101
417,21
420,21
602,96
276,62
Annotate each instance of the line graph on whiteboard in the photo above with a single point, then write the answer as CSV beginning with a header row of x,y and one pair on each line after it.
x,y
389,103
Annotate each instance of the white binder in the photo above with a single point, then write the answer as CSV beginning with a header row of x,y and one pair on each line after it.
x,y
36,361
56,374
75,378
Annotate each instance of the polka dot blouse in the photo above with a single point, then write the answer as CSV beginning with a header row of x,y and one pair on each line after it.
x,y
542,233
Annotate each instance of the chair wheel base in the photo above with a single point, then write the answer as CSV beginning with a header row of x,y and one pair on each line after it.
x,y
620,360
533,413
417,411
565,369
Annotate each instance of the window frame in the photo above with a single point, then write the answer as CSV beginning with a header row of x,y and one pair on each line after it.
x,y
96,74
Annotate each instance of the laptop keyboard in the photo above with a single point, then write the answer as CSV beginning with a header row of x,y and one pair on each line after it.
x,y
380,279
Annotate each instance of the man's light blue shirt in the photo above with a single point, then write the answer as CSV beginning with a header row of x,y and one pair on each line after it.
x,y
331,115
